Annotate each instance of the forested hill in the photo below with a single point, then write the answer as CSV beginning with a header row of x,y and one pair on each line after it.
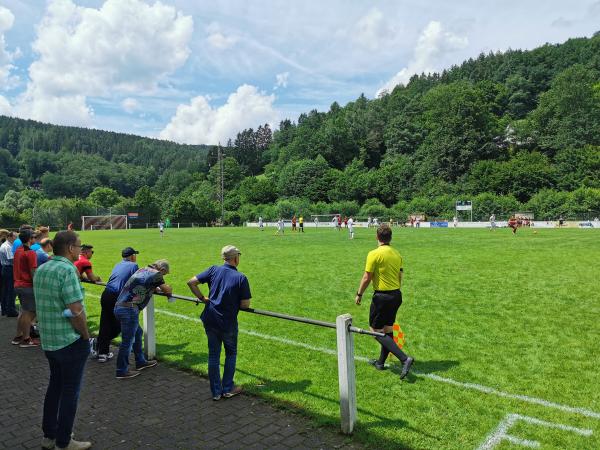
x,y
70,161
511,131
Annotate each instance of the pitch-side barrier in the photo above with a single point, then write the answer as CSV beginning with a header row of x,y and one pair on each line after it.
x,y
345,349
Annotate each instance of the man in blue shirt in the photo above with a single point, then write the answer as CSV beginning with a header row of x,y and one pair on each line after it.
x,y
110,327
229,291
43,252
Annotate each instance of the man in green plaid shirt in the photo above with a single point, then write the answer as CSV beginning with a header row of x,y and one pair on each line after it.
x,y
65,339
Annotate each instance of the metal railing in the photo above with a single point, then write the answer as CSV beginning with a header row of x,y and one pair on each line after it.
x,y
345,348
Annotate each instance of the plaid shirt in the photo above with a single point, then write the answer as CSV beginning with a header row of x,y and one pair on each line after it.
x,y
56,285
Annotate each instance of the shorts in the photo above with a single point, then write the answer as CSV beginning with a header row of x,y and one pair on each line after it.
x,y
26,298
384,307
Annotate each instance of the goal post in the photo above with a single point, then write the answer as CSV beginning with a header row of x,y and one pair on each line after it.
x,y
111,222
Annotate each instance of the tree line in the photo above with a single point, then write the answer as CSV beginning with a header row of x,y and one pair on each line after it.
x,y
514,130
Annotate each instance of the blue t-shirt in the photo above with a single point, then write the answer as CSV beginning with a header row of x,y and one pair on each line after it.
x,y
119,275
42,256
35,247
16,244
227,288
140,287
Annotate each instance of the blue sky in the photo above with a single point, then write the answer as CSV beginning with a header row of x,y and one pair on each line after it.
x,y
199,71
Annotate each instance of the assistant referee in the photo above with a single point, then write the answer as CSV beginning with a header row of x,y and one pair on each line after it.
x,y
384,268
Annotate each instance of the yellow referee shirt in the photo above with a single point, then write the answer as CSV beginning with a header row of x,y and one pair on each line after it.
x,y
385,264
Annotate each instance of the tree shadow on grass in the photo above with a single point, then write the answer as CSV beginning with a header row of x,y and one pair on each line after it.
x,y
187,358
267,385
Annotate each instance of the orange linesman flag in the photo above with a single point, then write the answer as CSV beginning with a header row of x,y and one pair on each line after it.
x,y
399,338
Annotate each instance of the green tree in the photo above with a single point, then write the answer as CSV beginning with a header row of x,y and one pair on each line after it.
x,y
103,197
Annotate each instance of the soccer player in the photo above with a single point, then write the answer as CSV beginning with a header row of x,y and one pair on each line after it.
x,y
294,222
161,227
351,227
455,221
492,222
280,226
339,222
513,223
301,222
260,224
384,269
229,291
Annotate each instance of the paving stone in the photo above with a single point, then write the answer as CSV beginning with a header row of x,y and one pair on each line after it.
x,y
161,408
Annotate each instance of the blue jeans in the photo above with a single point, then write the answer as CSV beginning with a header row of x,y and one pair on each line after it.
x,y
8,291
131,338
216,339
62,395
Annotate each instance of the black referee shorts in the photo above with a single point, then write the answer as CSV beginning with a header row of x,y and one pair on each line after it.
x,y
384,307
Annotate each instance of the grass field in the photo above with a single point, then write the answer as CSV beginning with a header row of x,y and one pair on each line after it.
x,y
498,324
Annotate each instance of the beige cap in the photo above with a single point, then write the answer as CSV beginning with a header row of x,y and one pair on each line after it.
x,y
230,251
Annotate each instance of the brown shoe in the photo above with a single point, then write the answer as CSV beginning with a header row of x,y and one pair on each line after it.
x,y
129,374
235,391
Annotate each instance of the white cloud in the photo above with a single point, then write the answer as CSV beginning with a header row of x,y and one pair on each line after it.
x,y
372,31
130,104
433,43
221,42
7,20
281,80
5,108
125,46
199,123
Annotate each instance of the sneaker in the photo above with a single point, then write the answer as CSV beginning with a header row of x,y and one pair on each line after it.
x,y
146,365
78,445
129,374
27,343
406,367
16,340
48,444
105,358
235,391
375,363
216,398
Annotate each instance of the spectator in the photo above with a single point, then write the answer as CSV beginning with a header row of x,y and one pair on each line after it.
x,y
133,298
17,243
228,292
44,251
64,337
110,326
39,234
24,267
9,308
84,265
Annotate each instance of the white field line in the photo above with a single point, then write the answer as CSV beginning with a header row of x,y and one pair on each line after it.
x,y
431,376
501,432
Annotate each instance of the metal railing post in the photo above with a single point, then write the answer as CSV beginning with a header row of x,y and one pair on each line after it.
x,y
149,330
346,373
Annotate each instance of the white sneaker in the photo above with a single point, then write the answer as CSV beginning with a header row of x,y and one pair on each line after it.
x,y
78,445
102,358
48,444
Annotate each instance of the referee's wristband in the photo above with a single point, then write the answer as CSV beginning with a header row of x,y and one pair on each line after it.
x,y
358,294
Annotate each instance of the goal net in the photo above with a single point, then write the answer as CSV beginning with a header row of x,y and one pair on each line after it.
x,y
118,222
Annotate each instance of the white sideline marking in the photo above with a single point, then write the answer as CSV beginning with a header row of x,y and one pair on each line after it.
x,y
501,432
431,376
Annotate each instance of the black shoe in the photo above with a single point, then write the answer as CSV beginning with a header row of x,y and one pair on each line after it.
x,y
406,367
146,365
375,363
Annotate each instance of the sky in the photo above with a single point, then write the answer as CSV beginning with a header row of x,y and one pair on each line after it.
x,y
198,72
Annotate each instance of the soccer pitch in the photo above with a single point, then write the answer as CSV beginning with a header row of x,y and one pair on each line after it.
x,y
504,329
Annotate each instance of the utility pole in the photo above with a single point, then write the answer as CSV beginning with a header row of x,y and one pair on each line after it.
x,y
222,187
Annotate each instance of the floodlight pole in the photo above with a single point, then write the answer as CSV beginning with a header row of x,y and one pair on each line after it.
x,y
220,153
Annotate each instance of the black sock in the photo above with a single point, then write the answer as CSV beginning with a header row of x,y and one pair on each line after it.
x,y
388,343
